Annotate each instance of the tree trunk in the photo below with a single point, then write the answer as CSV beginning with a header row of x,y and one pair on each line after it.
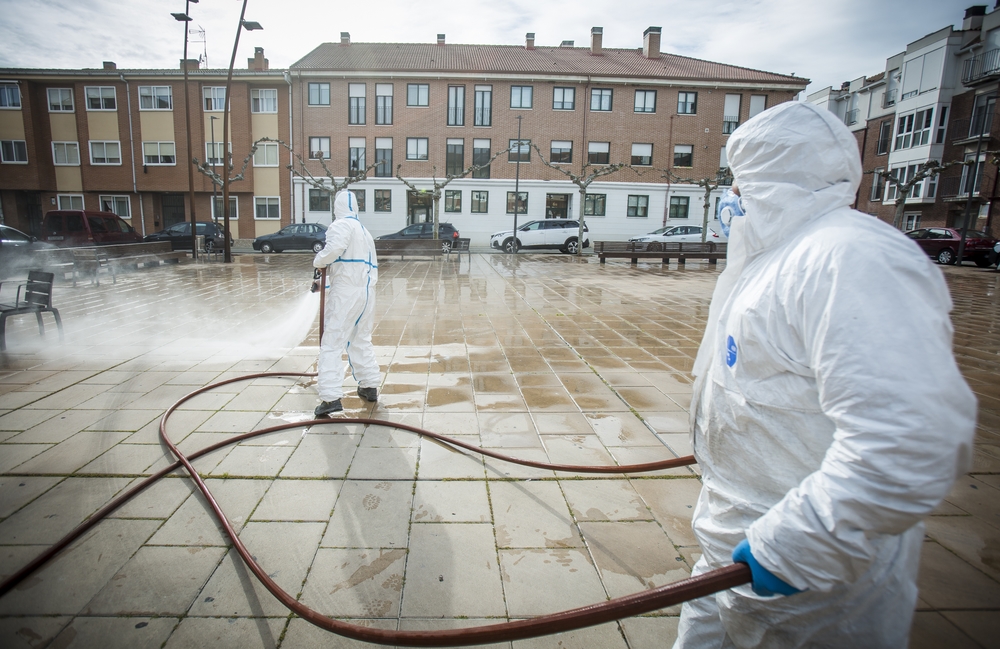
x,y
579,237
897,220
704,220
437,211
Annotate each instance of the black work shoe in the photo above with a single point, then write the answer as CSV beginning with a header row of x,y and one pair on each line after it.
x,y
368,394
327,408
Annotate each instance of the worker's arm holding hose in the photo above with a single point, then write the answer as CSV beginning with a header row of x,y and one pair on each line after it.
x,y
338,236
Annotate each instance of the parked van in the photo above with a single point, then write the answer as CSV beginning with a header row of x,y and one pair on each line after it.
x,y
68,228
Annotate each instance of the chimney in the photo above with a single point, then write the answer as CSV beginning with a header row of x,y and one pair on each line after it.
x,y
440,39
566,44
596,38
651,43
110,65
345,38
529,41
192,64
258,62
974,17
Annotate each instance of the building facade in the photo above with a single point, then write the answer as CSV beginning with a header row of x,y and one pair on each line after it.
x,y
116,139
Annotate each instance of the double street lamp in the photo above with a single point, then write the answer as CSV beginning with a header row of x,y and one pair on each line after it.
x,y
186,18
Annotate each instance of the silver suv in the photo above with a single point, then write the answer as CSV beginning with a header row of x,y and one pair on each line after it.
x,y
536,235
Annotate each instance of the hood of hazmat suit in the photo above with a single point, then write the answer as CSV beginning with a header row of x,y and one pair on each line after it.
x,y
829,415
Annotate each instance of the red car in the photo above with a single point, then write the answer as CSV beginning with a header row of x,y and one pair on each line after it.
x,y
942,244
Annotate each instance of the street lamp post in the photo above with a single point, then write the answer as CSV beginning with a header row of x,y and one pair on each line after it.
x,y
215,149
250,26
517,192
186,18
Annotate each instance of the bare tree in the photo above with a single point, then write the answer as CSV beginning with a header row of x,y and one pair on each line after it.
x,y
722,178
438,185
582,180
924,170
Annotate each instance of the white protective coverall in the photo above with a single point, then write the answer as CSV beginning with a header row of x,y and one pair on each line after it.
x,y
828,415
350,301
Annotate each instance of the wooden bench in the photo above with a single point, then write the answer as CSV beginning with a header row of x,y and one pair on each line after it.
x,y
681,251
458,246
89,260
403,247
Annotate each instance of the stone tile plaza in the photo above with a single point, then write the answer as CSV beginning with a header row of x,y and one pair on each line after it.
x,y
542,357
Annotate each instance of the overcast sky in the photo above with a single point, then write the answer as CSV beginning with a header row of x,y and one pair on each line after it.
x,y
827,42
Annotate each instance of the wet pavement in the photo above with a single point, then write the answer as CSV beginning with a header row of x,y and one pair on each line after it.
x,y
541,357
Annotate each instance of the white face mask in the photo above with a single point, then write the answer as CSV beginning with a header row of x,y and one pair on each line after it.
x,y
730,206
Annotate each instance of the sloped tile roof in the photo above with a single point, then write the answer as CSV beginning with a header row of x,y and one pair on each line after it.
x,y
515,59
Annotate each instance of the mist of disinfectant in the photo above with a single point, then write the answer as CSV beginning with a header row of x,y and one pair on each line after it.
x,y
290,328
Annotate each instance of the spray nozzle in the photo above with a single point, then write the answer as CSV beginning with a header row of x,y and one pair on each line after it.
x,y
317,275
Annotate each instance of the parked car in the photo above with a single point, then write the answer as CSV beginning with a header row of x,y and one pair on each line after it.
x,y
15,250
676,233
66,228
560,234
995,256
942,244
446,232
179,236
298,236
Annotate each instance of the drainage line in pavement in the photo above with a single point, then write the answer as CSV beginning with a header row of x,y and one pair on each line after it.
x,y
578,618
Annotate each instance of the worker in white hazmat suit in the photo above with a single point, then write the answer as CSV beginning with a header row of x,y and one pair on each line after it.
x,y
350,307
828,415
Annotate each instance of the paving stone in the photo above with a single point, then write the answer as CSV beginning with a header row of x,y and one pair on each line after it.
x,y
193,524
650,632
604,500
606,636
356,582
15,492
672,504
930,630
250,461
53,514
981,626
322,456
450,502
540,581
115,632
59,428
158,500
25,419
303,635
439,460
621,430
532,515
371,514
227,633
298,500
72,454
384,464
577,450
30,632
14,455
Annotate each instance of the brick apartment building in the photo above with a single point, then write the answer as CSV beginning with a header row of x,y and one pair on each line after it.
x,y
936,100
432,108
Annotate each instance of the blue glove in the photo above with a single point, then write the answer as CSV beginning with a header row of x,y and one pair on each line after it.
x,y
730,206
765,583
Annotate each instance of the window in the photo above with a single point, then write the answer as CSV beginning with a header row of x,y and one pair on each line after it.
x,y
160,153
417,94
214,152
105,153
356,156
319,94
319,147
359,196
70,201
642,154
263,100
481,158
905,172
452,200
561,152
484,106
595,205
383,156
520,151
982,116
455,157
66,154
416,149
319,200
266,155
912,221
679,207
100,98
356,103
914,129
215,98
972,174
218,215
878,184
731,113
600,99
13,151
638,206
156,98
480,202
383,103
60,100
120,205
563,98
599,153
383,200
687,103
757,104
266,207
10,95
884,137
520,96
645,101
942,125
456,105
522,200
683,155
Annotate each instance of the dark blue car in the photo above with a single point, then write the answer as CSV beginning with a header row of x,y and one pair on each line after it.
x,y
298,236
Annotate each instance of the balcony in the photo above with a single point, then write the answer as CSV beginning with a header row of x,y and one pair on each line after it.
x,y
953,189
729,124
889,98
966,130
851,117
982,68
